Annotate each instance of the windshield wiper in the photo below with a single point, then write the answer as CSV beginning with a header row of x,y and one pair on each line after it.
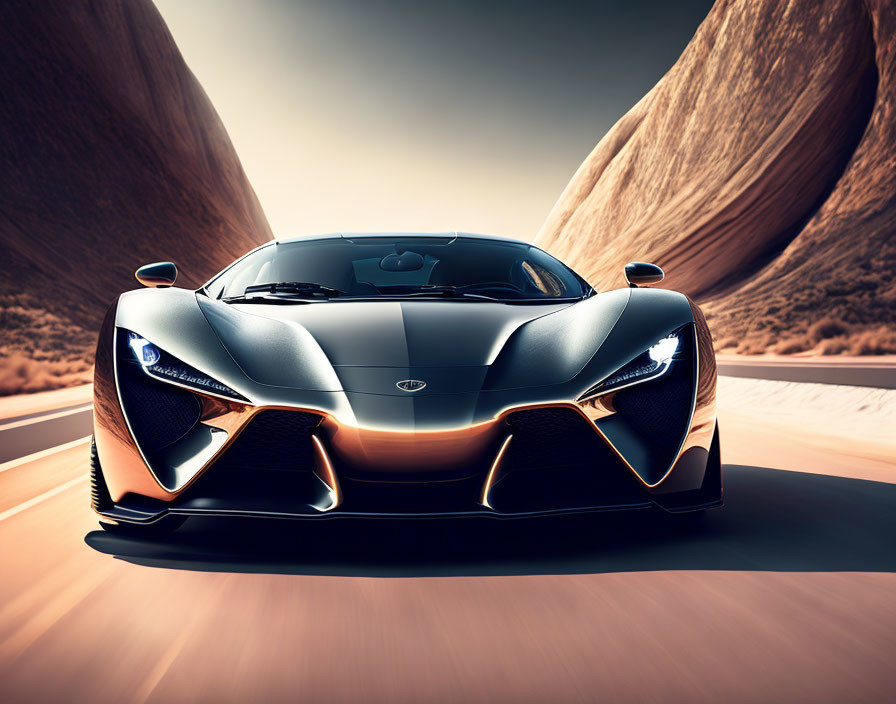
x,y
295,291
431,290
293,287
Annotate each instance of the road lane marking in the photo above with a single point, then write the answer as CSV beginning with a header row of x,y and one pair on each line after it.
x,y
40,498
47,416
12,464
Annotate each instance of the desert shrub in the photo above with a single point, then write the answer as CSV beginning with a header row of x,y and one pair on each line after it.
x,y
834,345
878,341
754,345
727,343
826,328
21,374
792,346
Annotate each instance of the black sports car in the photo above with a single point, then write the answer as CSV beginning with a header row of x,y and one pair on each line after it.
x,y
401,375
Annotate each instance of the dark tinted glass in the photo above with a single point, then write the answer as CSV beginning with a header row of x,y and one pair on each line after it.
x,y
386,266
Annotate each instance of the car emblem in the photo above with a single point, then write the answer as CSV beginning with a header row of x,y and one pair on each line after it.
x,y
410,385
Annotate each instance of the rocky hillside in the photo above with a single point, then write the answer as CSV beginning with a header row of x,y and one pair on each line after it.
x,y
112,156
760,172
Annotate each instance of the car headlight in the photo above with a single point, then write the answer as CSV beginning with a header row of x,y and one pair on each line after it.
x,y
159,364
145,352
653,363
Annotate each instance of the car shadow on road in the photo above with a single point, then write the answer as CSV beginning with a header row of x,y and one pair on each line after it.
x,y
772,520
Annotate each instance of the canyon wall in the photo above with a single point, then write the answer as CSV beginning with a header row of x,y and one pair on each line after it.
x,y
112,156
760,172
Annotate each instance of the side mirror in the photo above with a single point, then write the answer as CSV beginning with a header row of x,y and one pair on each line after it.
x,y
643,274
160,274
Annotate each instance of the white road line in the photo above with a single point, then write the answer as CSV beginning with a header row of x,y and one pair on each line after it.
x,y
12,464
48,416
9,513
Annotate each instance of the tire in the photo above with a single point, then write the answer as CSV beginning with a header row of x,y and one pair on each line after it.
x,y
164,526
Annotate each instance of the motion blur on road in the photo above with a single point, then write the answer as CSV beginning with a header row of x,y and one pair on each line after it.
x,y
787,594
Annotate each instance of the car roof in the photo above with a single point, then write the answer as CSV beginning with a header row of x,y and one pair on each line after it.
x,y
399,235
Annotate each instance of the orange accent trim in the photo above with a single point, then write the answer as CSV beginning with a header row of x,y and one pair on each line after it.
x,y
597,407
490,479
366,449
329,478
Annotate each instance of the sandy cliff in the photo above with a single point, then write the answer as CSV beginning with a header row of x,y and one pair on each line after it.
x,y
761,173
112,156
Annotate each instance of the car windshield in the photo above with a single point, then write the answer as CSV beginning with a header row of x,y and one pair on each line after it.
x,y
376,267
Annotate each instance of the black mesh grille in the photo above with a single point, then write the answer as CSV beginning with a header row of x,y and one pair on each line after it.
x,y
556,460
158,413
273,440
269,465
552,437
660,410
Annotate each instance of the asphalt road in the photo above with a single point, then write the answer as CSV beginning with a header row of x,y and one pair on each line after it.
x,y
877,372
35,432
788,593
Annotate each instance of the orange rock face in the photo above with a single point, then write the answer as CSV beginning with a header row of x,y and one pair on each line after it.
x,y
760,172
112,156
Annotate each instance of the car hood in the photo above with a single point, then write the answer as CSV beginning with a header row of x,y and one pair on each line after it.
x,y
367,343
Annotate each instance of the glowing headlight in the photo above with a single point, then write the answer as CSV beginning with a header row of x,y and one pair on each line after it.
x,y
649,365
161,365
663,351
145,352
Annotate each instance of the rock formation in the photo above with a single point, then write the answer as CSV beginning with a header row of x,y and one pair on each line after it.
x,y
760,172
112,156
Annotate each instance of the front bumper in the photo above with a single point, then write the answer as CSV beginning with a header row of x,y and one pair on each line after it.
x,y
545,460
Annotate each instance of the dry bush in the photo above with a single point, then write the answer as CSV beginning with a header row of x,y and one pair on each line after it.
x,y
40,351
21,374
834,345
792,346
826,328
727,343
878,341
754,345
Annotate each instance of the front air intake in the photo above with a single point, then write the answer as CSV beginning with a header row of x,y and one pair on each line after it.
x,y
158,414
556,460
658,412
268,469
275,441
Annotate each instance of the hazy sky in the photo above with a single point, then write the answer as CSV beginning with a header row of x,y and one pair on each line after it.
x,y
402,115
